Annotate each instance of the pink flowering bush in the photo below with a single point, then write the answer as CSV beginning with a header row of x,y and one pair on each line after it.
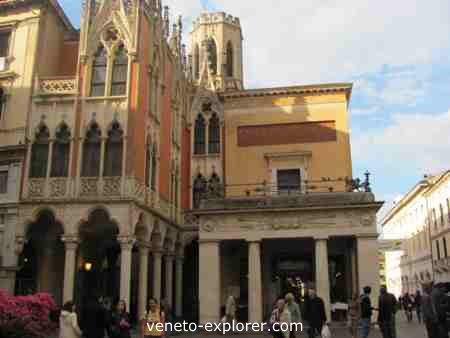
x,y
27,316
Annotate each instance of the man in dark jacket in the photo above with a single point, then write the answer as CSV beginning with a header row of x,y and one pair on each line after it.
x,y
94,319
440,302
315,313
386,310
366,312
429,312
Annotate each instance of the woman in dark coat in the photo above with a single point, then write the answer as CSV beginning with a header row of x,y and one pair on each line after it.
x,y
120,321
94,320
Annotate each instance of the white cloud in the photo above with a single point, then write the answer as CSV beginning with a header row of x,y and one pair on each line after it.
x,y
412,142
330,40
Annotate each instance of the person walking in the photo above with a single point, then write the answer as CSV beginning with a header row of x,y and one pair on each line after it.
x,y
120,324
385,313
280,320
395,306
354,315
407,306
315,313
68,322
418,305
230,310
440,303
294,310
152,320
94,319
430,317
366,311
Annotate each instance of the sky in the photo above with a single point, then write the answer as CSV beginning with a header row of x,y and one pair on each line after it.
x,y
397,54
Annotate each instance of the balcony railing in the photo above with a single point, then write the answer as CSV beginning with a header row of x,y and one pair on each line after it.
x,y
264,195
57,86
98,188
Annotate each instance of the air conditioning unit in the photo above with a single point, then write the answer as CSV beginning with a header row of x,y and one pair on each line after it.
x,y
3,64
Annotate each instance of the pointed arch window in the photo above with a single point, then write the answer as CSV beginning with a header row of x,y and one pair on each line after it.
x,y
212,56
154,168
91,152
40,152
99,68
214,135
119,72
200,136
230,59
2,102
61,152
113,151
154,96
199,190
214,186
197,62
148,159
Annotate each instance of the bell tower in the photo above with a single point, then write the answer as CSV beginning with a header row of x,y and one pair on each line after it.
x,y
216,52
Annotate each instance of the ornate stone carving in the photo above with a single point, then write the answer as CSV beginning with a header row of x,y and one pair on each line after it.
x,y
208,227
57,86
89,186
58,187
112,186
36,187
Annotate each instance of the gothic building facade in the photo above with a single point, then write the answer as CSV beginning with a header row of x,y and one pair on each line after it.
x,y
149,170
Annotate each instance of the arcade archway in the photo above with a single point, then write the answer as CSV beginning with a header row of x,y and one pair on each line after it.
x,y
41,264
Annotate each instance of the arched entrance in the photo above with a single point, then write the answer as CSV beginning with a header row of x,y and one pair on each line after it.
x,y
98,268
41,264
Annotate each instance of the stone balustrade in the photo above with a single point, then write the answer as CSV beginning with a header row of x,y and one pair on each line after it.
x,y
98,188
57,86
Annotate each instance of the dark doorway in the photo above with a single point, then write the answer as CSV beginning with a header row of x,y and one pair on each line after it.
x,y
98,272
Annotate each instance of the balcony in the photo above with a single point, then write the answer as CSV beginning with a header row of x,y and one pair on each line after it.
x,y
100,189
325,192
56,86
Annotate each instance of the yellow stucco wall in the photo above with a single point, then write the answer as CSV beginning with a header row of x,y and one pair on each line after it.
x,y
18,79
249,164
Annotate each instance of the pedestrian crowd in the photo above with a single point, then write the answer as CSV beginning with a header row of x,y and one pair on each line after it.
x,y
100,319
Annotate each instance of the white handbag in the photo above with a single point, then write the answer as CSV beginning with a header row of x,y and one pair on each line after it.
x,y
326,333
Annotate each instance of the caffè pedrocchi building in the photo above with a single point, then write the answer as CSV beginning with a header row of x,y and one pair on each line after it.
x,y
149,170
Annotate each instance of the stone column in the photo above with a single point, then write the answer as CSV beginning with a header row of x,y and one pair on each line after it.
x,y
143,279
255,312
209,281
71,244
322,274
179,286
126,245
157,264
168,295
368,263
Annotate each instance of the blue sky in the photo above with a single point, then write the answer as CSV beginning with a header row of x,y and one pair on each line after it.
x,y
397,54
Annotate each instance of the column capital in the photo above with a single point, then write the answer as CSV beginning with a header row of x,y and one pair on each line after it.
x,y
321,238
126,242
71,242
169,256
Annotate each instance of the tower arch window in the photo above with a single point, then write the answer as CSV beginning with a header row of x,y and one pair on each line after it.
x,y
154,167
214,186
119,72
61,152
91,152
200,136
199,190
148,163
230,60
196,62
212,56
99,70
40,152
114,151
214,135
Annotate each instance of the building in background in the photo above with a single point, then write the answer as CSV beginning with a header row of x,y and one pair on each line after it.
x,y
150,171
421,220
